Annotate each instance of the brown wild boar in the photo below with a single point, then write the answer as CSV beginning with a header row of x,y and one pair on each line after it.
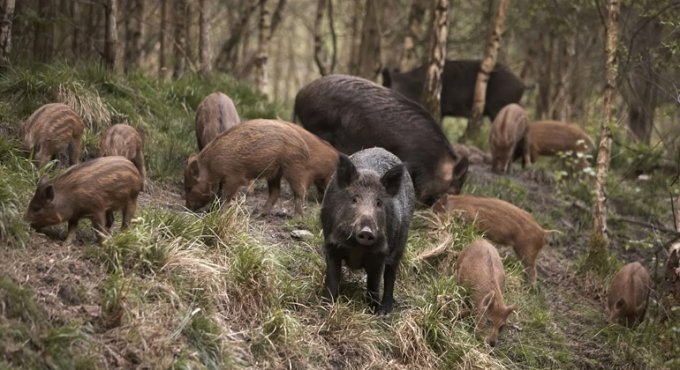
x,y
94,190
214,115
50,130
508,134
551,137
628,294
502,223
125,141
254,149
480,270
322,162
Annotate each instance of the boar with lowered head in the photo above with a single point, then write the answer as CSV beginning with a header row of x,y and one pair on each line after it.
x,y
352,113
260,148
502,223
508,134
551,137
214,115
480,270
628,294
365,214
52,129
94,190
125,141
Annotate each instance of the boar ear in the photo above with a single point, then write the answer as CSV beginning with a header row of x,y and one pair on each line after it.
x,y
620,303
48,191
192,164
487,301
346,172
509,310
391,180
460,171
43,180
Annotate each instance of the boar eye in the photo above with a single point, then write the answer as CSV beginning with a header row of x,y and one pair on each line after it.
x,y
355,199
379,203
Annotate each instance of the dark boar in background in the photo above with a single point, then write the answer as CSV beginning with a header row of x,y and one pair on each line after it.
x,y
125,141
214,115
268,149
50,130
365,214
94,190
352,114
628,295
458,87
509,132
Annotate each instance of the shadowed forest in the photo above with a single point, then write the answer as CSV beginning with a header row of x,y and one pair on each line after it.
x,y
549,128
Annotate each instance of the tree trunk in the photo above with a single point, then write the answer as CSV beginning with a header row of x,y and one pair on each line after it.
x,y
369,63
6,31
204,50
179,44
354,41
262,49
319,59
75,36
431,95
599,241
189,42
43,46
277,16
414,34
560,108
111,36
226,59
545,75
134,34
162,63
93,29
487,65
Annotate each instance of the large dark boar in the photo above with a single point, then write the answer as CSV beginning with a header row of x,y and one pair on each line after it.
x,y
481,271
509,132
502,223
365,214
628,294
94,190
125,141
353,113
50,130
458,87
254,149
551,137
214,115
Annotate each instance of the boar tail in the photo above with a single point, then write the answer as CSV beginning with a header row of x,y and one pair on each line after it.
x,y
552,231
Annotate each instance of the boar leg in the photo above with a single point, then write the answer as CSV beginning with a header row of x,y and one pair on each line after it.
x,y
74,152
71,234
389,275
128,212
373,273
528,258
98,221
299,193
333,275
109,219
274,187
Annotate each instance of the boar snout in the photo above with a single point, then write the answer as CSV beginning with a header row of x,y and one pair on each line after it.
x,y
366,236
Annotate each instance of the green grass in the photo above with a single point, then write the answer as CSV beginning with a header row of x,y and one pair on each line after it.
x,y
17,179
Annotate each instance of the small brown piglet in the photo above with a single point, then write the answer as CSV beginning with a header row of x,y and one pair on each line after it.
x,y
125,141
214,115
322,162
480,270
94,190
254,149
509,135
551,137
628,294
502,223
50,130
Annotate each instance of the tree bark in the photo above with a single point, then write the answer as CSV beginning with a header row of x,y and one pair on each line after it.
x,y
228,53
180,38
204,49
354,41
43,45
277,16
561,105
369,63
414,35
487,65
600,240
162,62
6,31
319,59
262,49
75,36
111,36
134,34
431,95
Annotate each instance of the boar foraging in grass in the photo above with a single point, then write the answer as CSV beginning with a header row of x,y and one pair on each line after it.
x,y
50,130
352,113
365,214
480,270
509,133
628,294
551,137
123,140
259,148
502,223
214,115
94,190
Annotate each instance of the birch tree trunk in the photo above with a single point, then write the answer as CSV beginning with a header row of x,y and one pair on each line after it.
x,y
180,38
134,34
432,91
409,54
262,49
487,65
163,37
599,241
6,31
111,36
369,51
204,50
